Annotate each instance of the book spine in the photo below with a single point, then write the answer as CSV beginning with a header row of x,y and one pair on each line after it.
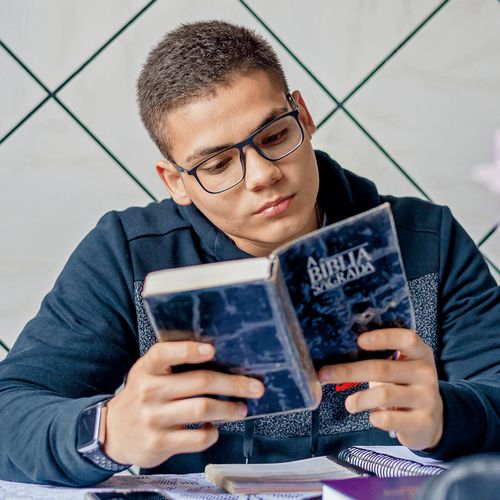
x,y
383,465
298,353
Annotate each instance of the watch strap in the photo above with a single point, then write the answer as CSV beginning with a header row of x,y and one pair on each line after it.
x,y
98,457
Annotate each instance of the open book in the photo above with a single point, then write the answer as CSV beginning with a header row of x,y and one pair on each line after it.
x,y
281,317
308,475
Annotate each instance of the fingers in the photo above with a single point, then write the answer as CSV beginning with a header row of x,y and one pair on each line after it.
x,y
157,447
163,355
193,440
395,420
410,345
202,382
415,360
191,411
414,429
390,396
378,370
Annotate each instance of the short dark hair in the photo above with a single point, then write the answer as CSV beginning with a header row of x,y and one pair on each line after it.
x,y
190,61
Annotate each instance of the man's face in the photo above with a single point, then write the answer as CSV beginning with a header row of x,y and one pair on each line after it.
x,y
275,203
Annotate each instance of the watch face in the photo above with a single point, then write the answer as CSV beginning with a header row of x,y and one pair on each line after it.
x,y
88,428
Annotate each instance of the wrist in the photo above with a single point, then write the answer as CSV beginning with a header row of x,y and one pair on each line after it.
x,y
90,432
440,425
108,429
102,423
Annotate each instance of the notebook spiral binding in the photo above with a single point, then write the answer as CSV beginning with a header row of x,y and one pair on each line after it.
x,y
386,466
352,467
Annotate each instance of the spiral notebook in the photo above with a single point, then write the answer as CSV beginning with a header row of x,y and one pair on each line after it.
x,y
309,474
391,461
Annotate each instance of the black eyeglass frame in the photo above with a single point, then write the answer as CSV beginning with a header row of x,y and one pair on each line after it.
x,y
247,142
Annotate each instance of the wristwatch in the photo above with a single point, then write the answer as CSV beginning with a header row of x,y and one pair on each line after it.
x,y
88,443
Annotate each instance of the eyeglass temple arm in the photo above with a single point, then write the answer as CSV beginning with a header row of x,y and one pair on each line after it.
x,y
295,104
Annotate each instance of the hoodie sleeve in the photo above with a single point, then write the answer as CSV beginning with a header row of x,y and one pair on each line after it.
x,y
469,363
75,352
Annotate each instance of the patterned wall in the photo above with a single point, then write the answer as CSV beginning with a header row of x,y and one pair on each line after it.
x,y
406,92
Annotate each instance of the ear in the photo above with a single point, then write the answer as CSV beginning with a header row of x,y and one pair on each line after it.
x,y
304,115
173,182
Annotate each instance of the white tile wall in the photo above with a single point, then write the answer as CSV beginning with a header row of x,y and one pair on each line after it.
x,y
53,37
345,142
342,41
434,107
18,93
115,73
56,183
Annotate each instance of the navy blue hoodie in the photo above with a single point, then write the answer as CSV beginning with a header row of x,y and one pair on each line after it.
x,y
91,328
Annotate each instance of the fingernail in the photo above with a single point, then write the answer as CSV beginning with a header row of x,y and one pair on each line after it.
x,y
325,375
366,339
242,410
205,349
348,405
255,387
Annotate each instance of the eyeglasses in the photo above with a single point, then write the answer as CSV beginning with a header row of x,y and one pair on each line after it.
x,y
273,141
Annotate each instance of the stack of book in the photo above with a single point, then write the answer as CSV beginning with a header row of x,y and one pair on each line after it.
x,y
355,467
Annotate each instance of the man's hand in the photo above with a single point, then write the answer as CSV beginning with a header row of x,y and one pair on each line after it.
x,y
407,400
145,421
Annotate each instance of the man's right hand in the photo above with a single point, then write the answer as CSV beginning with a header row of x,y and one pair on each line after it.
x,y
145,421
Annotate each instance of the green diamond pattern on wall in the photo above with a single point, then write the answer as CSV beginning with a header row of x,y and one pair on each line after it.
x,y
343,107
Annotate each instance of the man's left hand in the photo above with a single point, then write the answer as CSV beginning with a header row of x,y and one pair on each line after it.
x,y
403,395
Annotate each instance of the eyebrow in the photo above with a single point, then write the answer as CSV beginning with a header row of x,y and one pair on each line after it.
x,y
203,152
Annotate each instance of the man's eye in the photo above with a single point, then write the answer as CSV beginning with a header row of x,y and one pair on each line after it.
x,y
275,138
216,168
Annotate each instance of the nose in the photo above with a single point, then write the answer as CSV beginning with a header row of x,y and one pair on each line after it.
x,y
260,172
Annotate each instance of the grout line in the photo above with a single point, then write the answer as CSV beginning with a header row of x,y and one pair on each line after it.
x,y
4,345
381,64
84,127
488,234
104,147
29,115
305,68
25,67
52,94
492,265
388,156
104,46
289,52
339,104
77,71
394,52
328,116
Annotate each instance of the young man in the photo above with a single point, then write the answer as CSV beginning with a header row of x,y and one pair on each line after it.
x,y
243,178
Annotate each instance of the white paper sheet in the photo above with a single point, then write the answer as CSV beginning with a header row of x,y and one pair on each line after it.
x,y
177,487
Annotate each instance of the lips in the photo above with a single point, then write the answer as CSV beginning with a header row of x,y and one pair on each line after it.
x,y
275,207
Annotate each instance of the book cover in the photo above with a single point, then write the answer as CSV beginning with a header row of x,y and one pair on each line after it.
x,y
305,475
346,279
313,474
273,317
253,331
374,488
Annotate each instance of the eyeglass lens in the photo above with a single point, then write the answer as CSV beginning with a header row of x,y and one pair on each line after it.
x,y
273,142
